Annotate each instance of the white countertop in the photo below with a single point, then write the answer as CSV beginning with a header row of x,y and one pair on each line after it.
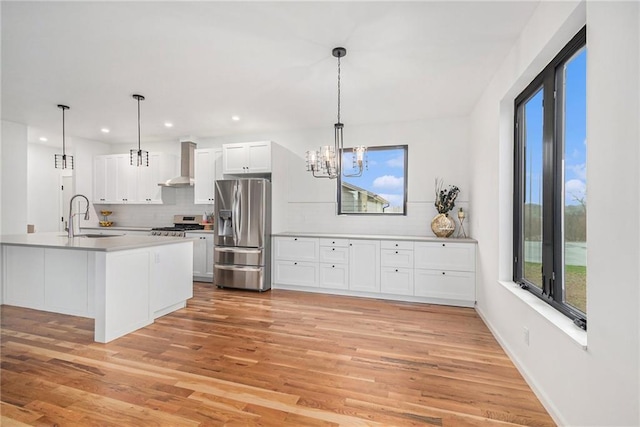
x,y
374,237
137,228
117,227
106,244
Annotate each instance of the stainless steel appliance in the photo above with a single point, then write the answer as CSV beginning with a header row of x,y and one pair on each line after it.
x,y
181,223
242,236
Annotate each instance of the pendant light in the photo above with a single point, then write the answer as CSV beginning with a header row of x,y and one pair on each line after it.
x,y
139,157
62,161
327,162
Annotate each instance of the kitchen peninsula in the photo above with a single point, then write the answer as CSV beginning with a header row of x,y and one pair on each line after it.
x,y
123,282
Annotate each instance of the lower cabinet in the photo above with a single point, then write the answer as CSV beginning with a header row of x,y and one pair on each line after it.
x,y
432,270
446,285
298,273
202,256
364,265
334,264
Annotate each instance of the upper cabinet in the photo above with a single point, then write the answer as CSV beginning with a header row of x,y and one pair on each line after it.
x,y
116,181
246,158
206,170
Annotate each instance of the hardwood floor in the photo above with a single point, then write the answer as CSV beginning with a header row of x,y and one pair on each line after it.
x,y
279,358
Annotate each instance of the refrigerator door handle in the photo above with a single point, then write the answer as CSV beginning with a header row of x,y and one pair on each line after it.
x,y
238,268
237,212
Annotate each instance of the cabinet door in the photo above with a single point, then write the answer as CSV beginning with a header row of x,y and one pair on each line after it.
x,y
445,256
126,180
334,276
100,179
258,157
295,273
204,176
296,248
442,284
396,258
334,255
234,158
199,255
398,281
202,255
161,168
364,265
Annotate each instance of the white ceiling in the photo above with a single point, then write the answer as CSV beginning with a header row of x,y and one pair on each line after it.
x,y
199,63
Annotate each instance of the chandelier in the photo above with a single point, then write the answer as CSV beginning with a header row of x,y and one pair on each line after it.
x,y
138,157
62,161
327,161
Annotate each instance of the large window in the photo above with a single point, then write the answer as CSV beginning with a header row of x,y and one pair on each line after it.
x,y
550,199
382,187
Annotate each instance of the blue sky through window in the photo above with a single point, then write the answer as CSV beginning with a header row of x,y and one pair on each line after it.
x,y
385,175
575,135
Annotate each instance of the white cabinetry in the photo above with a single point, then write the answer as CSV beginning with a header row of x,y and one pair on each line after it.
x,y
161,168
246,157
445,271
206,172
104,184
364,265
334,264
295,261
421,270
116,181
126,180
396,267
202,256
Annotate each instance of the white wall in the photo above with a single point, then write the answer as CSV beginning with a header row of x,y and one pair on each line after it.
x,y
598,385
437,148
14,178
43,191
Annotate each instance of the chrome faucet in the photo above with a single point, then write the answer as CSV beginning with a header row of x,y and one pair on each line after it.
x,y
71,214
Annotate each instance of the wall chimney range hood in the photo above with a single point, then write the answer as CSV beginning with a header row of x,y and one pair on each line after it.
x,y
187,153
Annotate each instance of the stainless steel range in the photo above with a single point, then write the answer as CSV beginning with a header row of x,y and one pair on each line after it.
x,y
181,224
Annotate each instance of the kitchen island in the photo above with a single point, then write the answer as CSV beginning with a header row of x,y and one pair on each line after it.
x,y
123,282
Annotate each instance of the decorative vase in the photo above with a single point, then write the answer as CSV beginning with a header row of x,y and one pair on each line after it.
x,y
442,225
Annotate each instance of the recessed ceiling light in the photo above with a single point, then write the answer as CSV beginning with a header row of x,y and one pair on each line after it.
x,y
43,139
168,124
235,118
104,130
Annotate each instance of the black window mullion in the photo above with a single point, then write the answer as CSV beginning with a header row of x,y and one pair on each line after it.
x,y
558,178
548,185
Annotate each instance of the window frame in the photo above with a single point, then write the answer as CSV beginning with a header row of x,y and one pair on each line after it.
x,y
340,179
549,80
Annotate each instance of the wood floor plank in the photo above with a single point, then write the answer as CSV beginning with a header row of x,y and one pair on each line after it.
x,y
278,358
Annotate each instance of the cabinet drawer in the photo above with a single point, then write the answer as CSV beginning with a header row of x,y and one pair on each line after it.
x,y
445,256
295,273
398,281
396,258
296,248
334,276
343,243
452,285
396,244
337,255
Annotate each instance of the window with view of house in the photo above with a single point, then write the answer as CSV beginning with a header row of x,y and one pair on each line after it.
x,y
382,187
550,198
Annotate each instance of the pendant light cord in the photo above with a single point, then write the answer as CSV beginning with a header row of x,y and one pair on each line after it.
x,y
63,137
338,89
138,98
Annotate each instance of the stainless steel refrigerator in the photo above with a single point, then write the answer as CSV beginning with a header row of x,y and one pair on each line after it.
x,y
242,242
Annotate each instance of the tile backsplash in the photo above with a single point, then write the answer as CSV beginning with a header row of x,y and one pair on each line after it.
x,y
178,201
